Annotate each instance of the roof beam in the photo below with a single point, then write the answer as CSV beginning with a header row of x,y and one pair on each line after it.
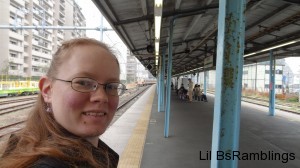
x,y
275,27
189,12
177,4
144,7
268,16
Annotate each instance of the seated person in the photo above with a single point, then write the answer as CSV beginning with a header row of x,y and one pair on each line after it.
x,y
203,97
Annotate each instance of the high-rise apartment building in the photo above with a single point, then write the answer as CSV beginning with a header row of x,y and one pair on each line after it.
x,y
131,68
28,52
135,71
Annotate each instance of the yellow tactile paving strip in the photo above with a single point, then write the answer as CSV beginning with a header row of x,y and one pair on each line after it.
x,y
132,154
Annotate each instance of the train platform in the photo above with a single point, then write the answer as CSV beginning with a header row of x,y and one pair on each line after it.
x,y
138,135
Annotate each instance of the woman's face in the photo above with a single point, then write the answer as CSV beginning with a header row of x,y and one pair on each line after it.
x,y
85,114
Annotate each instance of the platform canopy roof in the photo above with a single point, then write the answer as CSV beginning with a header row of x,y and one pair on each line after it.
x,y
270,24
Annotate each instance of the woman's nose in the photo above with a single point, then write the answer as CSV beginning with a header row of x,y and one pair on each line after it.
x,y
99,95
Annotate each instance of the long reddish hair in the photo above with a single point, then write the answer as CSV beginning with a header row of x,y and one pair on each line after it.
x,y
42,135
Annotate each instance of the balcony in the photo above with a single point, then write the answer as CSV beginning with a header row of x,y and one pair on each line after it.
x,y
60,35
50,20
43,55
36,53
62,12
50,31
36,2
20,2
62,20
47,56
58,43
35,22
15,48
35,63
37,13
36,73
49,3
39,64
50,11
15,72
16,11
16,60
11,21
62,5
35,42
16,35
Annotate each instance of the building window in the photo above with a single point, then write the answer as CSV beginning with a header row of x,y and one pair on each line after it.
x,y
35,59
45,61
35,69
266,86
13,67
14,55
278,71
14,42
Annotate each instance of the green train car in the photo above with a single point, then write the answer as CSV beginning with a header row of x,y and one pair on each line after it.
x,y
17,88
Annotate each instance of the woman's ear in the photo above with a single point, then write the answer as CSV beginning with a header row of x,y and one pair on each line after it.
x,y
45,88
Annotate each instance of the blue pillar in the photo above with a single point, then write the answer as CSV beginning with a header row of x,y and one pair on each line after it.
x,y
230,50
159,85
161,105
169,76
272,85
205,82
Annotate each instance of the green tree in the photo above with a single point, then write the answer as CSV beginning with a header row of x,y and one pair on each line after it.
x,y
4,70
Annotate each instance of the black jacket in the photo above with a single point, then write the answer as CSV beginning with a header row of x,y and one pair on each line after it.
x,y
50,162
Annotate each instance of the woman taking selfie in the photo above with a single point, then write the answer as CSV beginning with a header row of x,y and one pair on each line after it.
x,y
77,101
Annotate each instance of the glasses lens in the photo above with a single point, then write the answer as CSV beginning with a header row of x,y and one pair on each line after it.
x,y
115,89
84,84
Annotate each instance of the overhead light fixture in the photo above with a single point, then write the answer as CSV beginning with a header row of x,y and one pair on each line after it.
x,y
273,47
158,5
157,22
156,48
247,55
280,45
156,60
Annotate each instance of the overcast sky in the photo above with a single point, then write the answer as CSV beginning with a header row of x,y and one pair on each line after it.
x,y
93,19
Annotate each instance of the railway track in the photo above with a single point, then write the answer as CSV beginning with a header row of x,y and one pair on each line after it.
x,y
17,125
17,100
11,109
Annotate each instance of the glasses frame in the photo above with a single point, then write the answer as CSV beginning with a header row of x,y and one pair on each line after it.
x,y
97,86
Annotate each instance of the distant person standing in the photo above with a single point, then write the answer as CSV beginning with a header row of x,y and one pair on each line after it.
x,y
190,91
197,92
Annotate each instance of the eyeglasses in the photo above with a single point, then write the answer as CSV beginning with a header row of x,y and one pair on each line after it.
x,y
86,85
